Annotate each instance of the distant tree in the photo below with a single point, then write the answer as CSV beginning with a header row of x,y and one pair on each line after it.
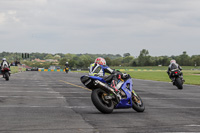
x,y
57,57
118,55
126,54
184,59
144,58
117,62
195,60
49,56
62,61
84,61
108,61
72,63
127,61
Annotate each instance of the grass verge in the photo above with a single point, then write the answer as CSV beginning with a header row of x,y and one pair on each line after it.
x,y
15,69
159,74
191,77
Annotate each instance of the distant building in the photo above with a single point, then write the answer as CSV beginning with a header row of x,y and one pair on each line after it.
x,y
51,60
38,60
42,61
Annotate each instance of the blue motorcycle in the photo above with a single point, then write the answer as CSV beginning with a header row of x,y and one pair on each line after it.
x,y
105,98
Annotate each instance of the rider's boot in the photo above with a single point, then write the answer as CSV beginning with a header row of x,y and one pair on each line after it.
x,y
172,80
182,78
113,85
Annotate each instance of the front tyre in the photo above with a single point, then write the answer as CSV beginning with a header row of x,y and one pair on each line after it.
x,y
179,83
99,101
137,103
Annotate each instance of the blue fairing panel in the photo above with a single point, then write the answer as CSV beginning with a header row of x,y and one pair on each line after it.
x,y
104,67
126,103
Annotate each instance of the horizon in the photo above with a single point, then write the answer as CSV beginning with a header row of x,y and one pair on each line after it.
x,y
98,54
74,26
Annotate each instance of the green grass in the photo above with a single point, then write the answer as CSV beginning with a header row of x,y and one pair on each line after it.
x,y
157,73
156,68
14,69
160,73
191,77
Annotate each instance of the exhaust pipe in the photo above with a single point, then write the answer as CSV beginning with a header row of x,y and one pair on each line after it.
x,y
107,88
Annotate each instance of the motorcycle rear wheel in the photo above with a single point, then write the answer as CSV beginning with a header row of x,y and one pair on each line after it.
x,y
103,105
179,83
137,103
6,76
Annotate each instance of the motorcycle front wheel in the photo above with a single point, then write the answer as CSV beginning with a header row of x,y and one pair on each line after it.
x,y
103,105
137,103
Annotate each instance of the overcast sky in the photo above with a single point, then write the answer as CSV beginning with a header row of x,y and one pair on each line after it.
x,y
164,27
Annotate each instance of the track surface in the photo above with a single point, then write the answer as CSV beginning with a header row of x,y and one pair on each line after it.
x,y
56,102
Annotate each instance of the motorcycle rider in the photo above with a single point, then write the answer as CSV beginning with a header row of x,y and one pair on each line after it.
x,y
66,64
99,68
4,63
173,65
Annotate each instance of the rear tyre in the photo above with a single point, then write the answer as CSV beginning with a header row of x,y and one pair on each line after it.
x,y
66,70
7,76
137,103
179,83
99,101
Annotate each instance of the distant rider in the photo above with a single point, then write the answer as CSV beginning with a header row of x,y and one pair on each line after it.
x,y
99,68
173,65
4,63
67,64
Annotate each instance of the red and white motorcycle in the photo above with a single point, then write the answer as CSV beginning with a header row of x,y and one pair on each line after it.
x,y
6,73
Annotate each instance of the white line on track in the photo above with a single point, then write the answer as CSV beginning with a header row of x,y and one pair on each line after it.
x,y
18,88
29,91
193,125
44,92
170,98
90,97
43,97
26,106
77,97
180,132
173,107
165,82
77,92
32,97
42,85
35,106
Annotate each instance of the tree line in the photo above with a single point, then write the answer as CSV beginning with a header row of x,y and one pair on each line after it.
x,y
84,60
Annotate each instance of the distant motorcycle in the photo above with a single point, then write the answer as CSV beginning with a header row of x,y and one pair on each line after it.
x,y
66,69
105,99
177,78
6,73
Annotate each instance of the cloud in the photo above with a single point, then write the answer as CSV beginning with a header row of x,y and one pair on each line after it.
x,y
83,25
2,18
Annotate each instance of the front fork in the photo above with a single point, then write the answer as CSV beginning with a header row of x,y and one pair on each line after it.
x,y
136,98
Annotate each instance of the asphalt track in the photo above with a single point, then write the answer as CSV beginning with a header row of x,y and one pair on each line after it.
x,y
56,102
